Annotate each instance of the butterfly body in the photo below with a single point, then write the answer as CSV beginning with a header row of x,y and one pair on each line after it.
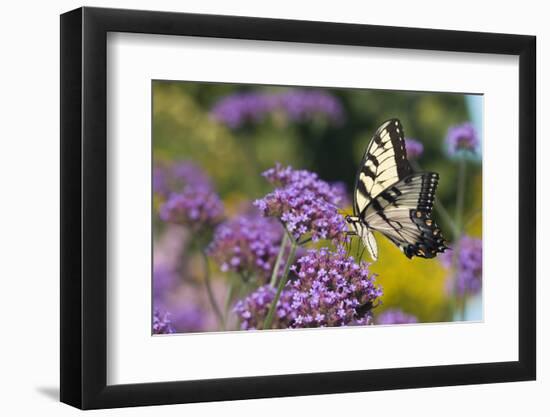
x,y
393,200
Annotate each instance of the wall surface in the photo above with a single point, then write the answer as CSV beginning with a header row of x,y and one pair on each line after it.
x,y
29,175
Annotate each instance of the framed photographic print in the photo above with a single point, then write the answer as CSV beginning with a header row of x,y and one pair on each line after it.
x,y
258,207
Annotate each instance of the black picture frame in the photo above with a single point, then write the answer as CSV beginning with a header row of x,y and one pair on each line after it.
x,y
84,207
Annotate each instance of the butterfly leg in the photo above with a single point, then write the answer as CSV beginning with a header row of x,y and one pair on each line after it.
x,y
349,234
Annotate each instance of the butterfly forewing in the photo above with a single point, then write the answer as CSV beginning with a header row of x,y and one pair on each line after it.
x,y
384,163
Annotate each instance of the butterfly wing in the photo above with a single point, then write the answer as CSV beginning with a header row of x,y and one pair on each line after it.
x,y
368,239
402,213
384,163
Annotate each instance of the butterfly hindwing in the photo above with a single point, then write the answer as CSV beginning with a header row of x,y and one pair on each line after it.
x,y
403,212
384,163
368,239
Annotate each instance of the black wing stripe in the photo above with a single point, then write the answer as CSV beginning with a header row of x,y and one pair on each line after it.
x,y
368,172
384,163
404,217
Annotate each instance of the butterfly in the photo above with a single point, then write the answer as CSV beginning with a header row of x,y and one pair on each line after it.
x,y
392,199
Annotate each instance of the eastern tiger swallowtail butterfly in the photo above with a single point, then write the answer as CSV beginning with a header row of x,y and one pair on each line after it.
x,y
393,200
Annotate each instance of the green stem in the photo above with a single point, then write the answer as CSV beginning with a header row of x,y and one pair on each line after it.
x,y
472,219
269,318
459,300
440,209
460,194
209,291
282,249
227,304
462,307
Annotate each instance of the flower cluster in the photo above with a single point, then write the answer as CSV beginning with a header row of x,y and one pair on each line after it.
x,y
186,311
415,149
469,264
162,323
164,280
239,109
188,318
160,185
247,244
172,178
462,140
191,200
395,316
304,203
328,289
340,195
301,105
194,207
252,310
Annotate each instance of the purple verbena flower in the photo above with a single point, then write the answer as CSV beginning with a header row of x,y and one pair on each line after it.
x,y
238,109
169,178
395,316
188,318
188,173
160,185
162,323
247,244
340,193
327,289
304,203
164,280
252,310
462,140
469,265
192,201
415,149
285,176
183,309
302,105
194,207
